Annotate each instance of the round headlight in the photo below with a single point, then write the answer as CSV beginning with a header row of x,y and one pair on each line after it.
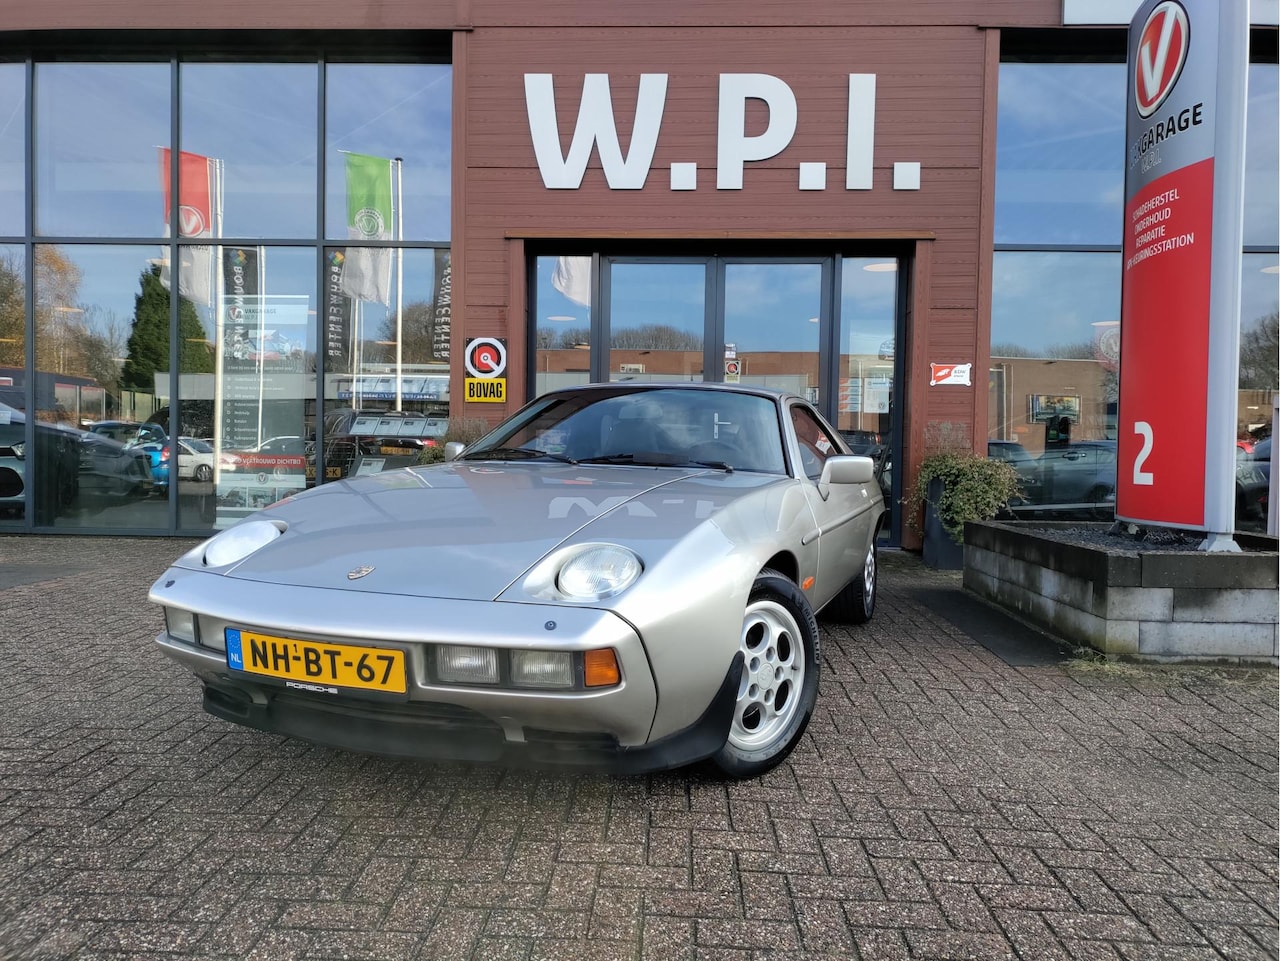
x,y
237,543
599,571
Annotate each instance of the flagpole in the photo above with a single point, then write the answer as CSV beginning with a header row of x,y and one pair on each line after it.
x,y
399,216
219,287
262,321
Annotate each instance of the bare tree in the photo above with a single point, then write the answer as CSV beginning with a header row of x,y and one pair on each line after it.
x,y
1260,353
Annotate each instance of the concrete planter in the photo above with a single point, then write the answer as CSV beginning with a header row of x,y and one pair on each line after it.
x,y
1159,605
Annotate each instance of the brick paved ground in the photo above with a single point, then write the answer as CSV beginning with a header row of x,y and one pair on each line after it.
x,y
944,805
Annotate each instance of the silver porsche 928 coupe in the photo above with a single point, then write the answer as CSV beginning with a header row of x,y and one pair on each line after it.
x,y
618,577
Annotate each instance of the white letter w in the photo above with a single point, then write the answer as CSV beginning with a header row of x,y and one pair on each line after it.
x,y
595,125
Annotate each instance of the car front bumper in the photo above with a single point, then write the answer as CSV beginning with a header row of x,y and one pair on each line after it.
x,y
594,728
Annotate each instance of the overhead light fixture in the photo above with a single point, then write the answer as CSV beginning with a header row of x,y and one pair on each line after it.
x,y
561,317
882,268
814,320
1273,269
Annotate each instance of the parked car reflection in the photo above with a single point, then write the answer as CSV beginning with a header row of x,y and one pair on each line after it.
x,y
1080,473
110,469
1027,467
1253,485
56,463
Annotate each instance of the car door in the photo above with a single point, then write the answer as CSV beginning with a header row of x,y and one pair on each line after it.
x,y
843,515
1068,473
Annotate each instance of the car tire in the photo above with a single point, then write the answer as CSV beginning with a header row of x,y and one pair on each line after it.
x,y
203,473
779,684
856,603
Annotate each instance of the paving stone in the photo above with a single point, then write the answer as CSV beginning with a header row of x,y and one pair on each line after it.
x,y
946,802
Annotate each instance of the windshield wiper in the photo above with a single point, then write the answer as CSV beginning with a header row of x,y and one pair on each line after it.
x,y
498,453
655,459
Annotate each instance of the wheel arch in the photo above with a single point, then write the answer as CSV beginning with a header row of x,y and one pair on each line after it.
x,y
785,563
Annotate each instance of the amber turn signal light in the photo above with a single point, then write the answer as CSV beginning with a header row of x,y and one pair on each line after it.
x,y
601,668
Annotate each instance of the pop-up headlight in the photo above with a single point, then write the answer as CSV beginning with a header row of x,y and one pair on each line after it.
x,y
237,543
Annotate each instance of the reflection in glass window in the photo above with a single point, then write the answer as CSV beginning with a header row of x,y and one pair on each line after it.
x,y
1262,157
1053,384
96,130
102,371
248,384
868,311
562,310
1060,153
865,407
13,462
1259,320
257,125
387,366
412,122
657,318
13,90
771,319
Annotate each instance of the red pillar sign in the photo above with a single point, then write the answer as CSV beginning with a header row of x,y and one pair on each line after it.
x,y
1179,329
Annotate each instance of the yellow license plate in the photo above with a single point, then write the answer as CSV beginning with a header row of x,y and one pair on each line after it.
x,y
397,450
317,663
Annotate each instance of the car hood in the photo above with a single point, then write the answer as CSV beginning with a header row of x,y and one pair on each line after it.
x,y
467,531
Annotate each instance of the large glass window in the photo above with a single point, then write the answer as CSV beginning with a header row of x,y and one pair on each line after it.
x,y
247,387
14,472
243,298
411,124
13,168
1262,158
387,364
1054,327
96,130
1060,153
254,128
1055,320
102,371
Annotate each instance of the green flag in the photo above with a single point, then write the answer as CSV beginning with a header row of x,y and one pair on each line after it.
x,y
367,272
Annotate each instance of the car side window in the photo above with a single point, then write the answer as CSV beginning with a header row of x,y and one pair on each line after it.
x,y
816,445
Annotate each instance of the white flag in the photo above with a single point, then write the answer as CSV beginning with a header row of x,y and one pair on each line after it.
x,y
572,277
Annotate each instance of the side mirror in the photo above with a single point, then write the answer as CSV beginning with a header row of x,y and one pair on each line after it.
x,y
846,469
453,449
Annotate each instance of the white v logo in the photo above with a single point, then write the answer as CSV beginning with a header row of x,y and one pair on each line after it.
x,y
1153,68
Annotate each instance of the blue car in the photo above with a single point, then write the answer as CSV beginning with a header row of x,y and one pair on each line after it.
x,y
159,456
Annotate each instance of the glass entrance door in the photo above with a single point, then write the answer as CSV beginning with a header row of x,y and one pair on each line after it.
x,y
657,320
825,328
773,324
866,383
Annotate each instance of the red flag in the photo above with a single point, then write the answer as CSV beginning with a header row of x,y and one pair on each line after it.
x,y
195,209
195,219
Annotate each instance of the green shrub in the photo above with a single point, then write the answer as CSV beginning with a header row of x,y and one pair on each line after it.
x,y
974,488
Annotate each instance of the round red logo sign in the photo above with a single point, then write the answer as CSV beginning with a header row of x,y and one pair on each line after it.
x,y
1161,54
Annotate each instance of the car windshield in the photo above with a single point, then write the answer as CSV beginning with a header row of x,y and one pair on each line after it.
x,y
197,445
651,427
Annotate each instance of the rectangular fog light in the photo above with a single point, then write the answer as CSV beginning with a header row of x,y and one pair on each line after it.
x,y
541,669
180,624
456,664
